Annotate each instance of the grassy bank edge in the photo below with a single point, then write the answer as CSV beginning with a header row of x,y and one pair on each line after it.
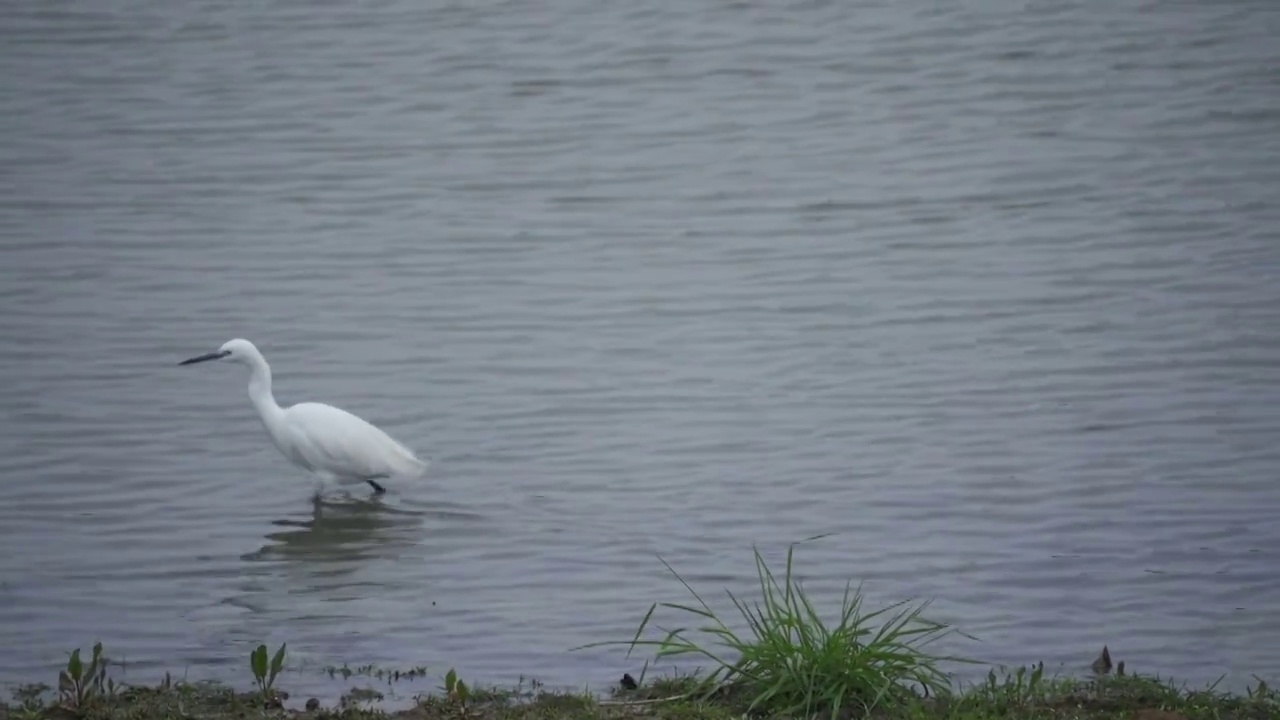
x,y
1013,695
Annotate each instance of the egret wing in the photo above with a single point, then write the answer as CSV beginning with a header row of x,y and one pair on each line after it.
x,y
333,440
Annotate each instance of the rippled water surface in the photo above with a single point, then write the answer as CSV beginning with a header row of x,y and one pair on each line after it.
x,y
987,290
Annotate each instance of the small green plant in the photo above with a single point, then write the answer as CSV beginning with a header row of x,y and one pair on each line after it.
x,y
30,699
1260,693
78,683
1016,690
456,690
265,673
791,661
345,671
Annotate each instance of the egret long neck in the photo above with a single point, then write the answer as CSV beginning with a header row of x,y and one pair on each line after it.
x,y
260,394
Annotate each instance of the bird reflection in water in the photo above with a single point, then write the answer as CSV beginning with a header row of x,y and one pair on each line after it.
x,y
349,551
338,533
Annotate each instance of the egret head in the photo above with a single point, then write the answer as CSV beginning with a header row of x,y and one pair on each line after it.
x,y
237,350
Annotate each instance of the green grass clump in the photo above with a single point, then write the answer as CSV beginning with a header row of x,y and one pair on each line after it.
x,y
790,661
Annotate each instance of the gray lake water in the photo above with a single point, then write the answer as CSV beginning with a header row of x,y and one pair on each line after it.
x,y
987,290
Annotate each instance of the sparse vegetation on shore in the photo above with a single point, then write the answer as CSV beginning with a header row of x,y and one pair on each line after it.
x,y
788,662
1010,697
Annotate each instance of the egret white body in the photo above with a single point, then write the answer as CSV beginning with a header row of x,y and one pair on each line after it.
x,y
329,442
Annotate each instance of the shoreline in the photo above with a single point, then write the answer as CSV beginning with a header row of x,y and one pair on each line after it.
x,y
87,689
786,660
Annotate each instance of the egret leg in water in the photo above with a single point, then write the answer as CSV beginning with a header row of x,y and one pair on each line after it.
x,y
324,440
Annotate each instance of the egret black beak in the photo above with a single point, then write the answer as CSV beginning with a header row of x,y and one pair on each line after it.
x,y
206,356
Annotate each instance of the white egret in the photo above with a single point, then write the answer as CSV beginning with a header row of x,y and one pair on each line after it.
x,y
327,441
